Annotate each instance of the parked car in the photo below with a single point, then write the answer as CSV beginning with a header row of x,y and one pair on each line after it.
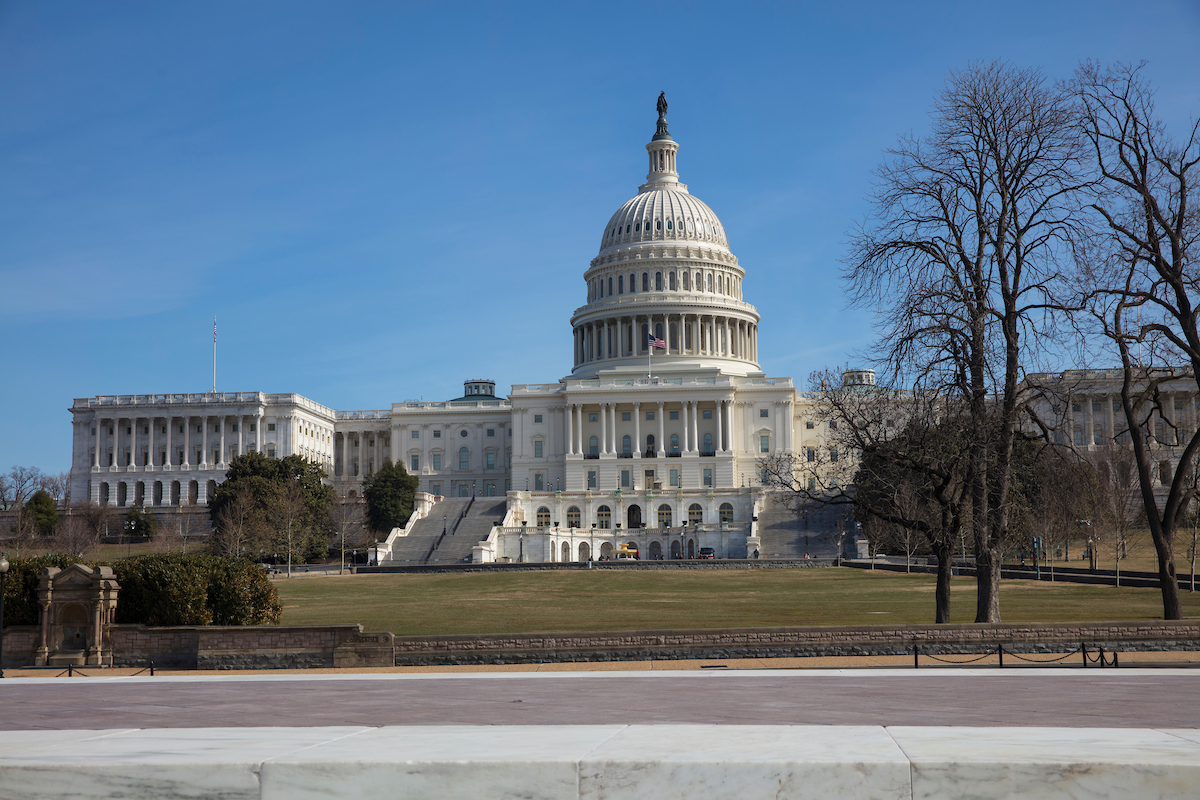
x,y
708,552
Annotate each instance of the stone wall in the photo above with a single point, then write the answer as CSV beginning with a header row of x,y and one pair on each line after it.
x,y
794,642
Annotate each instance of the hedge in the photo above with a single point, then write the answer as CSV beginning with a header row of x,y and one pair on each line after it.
x,y
161,590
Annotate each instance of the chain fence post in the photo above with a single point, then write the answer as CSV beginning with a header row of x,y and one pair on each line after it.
x,y
1000,650
915,657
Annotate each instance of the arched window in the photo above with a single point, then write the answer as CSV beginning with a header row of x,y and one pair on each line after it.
x,y
658,331
633,282
627,229
710,281
671,281
464,458
594,446
668,224
699,281
687,281
664,516
725,512
610,285
645,281
650,444
658,281
695,514
708,448
626,444
620,284
658,224
543,517
573,517
604,517
674,442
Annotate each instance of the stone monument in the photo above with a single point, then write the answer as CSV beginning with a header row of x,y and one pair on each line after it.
x,y
77,606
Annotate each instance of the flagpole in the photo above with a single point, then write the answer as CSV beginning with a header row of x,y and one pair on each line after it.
x,y
214,355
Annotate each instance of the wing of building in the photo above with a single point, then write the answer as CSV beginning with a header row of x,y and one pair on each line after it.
x,y
652,441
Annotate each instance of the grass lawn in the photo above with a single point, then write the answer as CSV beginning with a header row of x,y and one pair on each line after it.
x,y
602,600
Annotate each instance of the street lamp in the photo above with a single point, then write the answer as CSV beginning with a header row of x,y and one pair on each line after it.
x,y
3,576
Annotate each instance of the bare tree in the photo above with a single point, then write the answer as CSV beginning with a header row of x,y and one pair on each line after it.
x,y
22,483
966,237
1118,505
1140,277
76,534
101,518
289,515
348,517
57,486
239,526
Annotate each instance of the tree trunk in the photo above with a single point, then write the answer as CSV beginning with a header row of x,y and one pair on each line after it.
x,y
1167,579
942,592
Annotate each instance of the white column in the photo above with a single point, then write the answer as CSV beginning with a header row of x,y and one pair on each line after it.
x,y
223,421
570,409
170,424
204,441
637,430
187,447
693,413
659,446
241,423
604,428
260,436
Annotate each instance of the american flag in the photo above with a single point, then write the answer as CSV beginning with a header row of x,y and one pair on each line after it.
x,y
656,342
214,329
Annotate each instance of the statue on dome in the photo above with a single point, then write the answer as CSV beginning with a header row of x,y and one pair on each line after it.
x,y
662,117
662,104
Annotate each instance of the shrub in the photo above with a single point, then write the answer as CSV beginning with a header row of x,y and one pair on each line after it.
x,y
20,587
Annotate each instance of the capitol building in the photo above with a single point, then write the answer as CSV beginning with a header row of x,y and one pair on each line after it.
x,y
654,447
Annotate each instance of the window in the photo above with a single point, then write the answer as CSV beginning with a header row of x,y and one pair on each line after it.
x,y
809,425
674,477
464,458
437,434
604,517
539,481
491,433
592,479
491,460
537,418
671,281
1076,407
674,415
695,514
645,281
437,462
1096,406
416,463
810,454
435,489
594,446
764,444
649,442
658,284
270,452
626,416
674,442
707,413
626,445
624,479
573,517
593,417
833,424
610,291
620,284
833,455
543,517
253,428
812,484
1097,435
650,416
708,443
270,426
537,448
416,435
725,512
1079,437
633,283
762,412
664,516
708,476
463,433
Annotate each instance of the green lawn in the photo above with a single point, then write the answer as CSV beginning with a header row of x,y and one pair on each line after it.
x,y
610,600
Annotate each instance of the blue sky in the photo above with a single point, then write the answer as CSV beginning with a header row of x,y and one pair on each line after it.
x,y
378,200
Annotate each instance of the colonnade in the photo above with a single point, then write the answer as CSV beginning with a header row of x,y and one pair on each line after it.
x,y
172,447
364,439
689,443
684,334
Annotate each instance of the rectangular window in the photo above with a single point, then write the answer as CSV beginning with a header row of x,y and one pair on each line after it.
x,y
833,455
491,432
762,412
1096,406
491,460
270,426
708,414
537,449
1098,435
435,488
538,417
270,452
416,463
833,424
437,434
437,462
592,480
650,416
708,477
539,482
764,444
812,484
811,454
181,429
415,435
1076,407
625,416
1078,438
592,417
674,477
235,430
624,479
674,415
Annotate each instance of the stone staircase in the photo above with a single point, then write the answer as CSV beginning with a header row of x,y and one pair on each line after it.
x,y
413,549
784,533
470,531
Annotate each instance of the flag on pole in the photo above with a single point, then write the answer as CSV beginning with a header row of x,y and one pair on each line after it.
x,y
654,341
214,329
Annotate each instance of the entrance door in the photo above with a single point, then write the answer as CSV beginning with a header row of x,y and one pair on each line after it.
x,y
691,548
635,517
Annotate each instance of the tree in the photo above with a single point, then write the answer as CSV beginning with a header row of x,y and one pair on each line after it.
x,y
19,485
1139,277
75,535
964,242
42,511
347,518
141,523
1117,505
100,518
240,525
389,495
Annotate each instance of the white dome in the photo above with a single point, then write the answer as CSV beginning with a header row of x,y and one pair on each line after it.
x,y
664,215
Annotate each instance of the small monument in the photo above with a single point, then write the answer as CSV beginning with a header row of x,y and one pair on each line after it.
x,y
78,604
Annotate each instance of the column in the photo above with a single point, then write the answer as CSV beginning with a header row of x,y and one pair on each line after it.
x,y
187,448
203,441
259,435
170,425
695,409
222,421
604,428
570,429
378,451
659,448
520,433
241,423
637,430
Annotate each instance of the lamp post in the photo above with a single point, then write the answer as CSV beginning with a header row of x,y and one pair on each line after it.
x,y
3,577
521,542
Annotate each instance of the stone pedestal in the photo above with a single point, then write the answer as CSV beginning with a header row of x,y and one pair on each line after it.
x,y
77,605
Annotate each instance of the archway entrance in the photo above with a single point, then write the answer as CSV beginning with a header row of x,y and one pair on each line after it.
x,y
691,548
656,551
584,552
605,551
635,517
566,552
676,550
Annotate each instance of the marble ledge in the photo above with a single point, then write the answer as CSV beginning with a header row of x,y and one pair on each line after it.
x,y
601,762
